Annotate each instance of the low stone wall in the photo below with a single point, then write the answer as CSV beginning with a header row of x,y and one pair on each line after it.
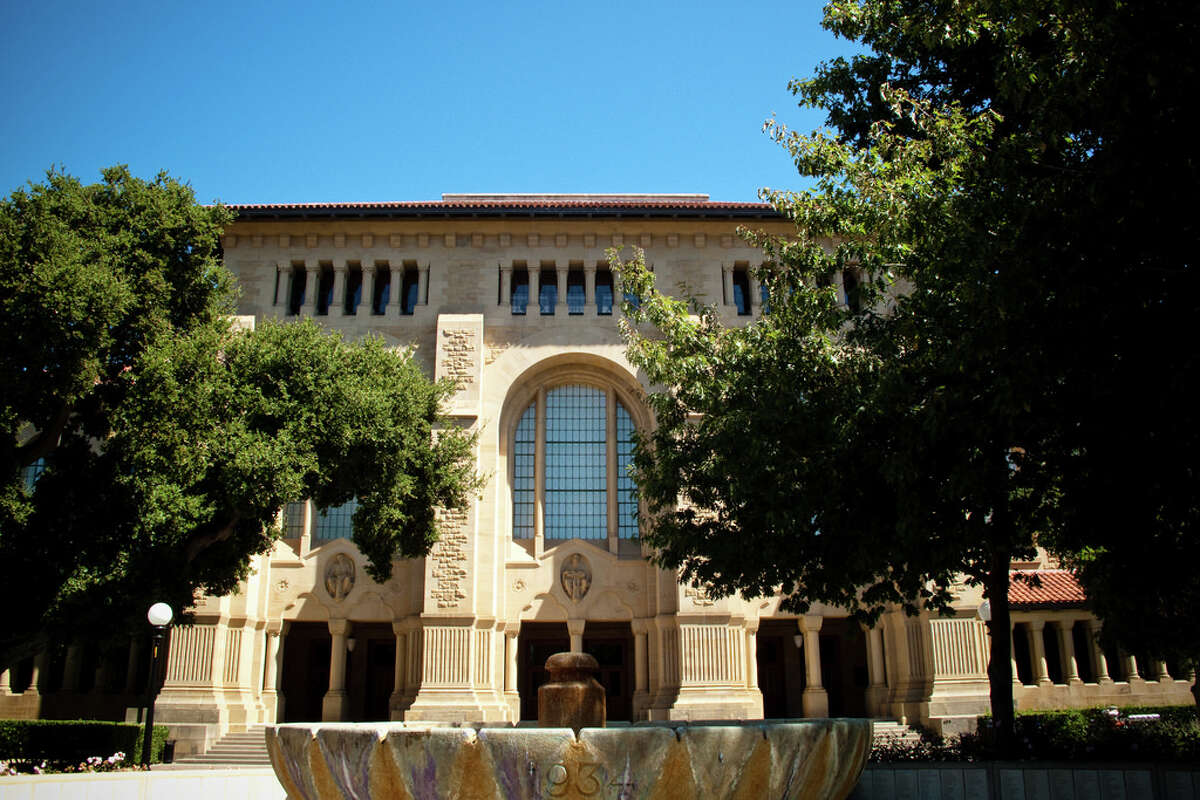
x,y
1024,781
169,784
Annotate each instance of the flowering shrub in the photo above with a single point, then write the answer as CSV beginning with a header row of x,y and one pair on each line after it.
x,y
1170,733
18,766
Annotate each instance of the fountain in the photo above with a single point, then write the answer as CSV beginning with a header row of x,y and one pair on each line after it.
x,y
566,758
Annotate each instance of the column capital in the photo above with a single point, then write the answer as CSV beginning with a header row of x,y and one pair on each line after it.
x,y
810,623
575,626
589,267
1036,624
340,265
727,268
339,627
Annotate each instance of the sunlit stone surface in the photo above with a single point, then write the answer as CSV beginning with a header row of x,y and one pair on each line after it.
x,y
806,759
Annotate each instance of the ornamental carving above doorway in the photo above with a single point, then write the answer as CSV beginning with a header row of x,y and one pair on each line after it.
x,y
576,577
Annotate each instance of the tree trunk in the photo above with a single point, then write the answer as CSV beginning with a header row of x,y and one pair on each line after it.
x,y
1000,665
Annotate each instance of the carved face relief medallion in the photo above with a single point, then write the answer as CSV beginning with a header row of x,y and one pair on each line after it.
x,y
339,576
576,577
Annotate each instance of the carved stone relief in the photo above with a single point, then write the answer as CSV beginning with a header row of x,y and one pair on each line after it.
x,y
339,576
576,577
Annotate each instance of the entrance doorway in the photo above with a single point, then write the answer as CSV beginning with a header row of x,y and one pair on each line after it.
x,y
611,643
780,669
305,676
536,643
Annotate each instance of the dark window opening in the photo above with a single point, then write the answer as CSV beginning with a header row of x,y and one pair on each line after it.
x,y
1021,654
741,292
852,290
382,293
296,289
324,292
1054,665
604,293
548,291
520,291
354,281
1116,664
409,289
576,292
1083,653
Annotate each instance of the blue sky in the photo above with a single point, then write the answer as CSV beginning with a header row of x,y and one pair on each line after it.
x,y
368,101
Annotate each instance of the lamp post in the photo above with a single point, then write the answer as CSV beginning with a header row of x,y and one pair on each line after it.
x,y
159,615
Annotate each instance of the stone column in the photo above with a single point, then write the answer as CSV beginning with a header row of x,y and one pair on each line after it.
x,y
1066,650
510,659
755,303
562,270
589,288
338,306
539,475
640,673
71,668
423,286
1160,672
40,662
876,673
1037,652
396,288
752,657
1099,660
131,676
575,628
610,406
312,287
270,688
1131,668
1012,650
399,669
727,284
283,274
5,682
506,285
333,707
535,280
815,699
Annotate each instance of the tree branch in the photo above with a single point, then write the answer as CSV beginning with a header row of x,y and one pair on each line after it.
x,y
46,439
200,543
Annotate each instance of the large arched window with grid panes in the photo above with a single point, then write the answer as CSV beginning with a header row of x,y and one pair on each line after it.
x,y
572,449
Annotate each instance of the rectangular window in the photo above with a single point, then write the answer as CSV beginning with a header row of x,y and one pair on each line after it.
x,y
32,473
548,292
627,499
382,293
741,292
336,522
524,443
296,287
293,519
324,292
575,292
409,289
354,281
604,293
520,291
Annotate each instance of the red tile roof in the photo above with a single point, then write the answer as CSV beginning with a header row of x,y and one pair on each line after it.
x,y
516,205
1058,589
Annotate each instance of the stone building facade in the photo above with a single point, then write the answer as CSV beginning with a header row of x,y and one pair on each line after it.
x,y
511,297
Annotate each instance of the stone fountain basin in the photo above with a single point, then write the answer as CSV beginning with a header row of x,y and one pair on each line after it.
x,y
820,758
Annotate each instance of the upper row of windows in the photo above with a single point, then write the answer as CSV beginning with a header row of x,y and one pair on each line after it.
x,y
381,279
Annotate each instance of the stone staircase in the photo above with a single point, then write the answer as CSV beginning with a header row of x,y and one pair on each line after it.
x,y
889,732
243,749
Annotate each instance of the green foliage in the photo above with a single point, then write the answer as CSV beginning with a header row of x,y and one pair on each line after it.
x,y
1080,735
64,742
1014,371
169,439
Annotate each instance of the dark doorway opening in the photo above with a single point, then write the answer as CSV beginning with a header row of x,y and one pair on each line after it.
x,y
611,643
371,671
536,643
844,667
305,676
780,669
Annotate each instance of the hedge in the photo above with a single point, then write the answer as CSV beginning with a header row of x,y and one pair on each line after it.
x,y
72,741
1083,734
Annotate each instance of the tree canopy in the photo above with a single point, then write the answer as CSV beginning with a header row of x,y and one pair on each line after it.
x,y
150,443
1010,367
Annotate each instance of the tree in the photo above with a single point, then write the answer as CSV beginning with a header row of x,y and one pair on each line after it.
x,y
150,443
991,178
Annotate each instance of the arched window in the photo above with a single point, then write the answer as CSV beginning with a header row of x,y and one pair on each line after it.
x,y
578,440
